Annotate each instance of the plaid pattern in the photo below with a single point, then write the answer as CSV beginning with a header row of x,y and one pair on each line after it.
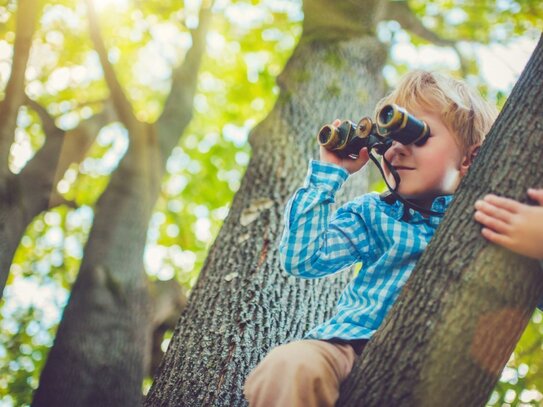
x,y
366,230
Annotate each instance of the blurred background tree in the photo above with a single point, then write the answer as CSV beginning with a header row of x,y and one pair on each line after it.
x,y
248,43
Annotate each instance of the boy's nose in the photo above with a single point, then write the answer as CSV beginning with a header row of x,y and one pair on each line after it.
x,y
396,148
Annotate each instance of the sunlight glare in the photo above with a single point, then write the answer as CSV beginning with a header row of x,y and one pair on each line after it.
x,y
102,5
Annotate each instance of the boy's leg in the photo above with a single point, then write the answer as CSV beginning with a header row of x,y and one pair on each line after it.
x,y
300,374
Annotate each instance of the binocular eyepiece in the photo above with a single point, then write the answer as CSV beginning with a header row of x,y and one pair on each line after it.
x,y
394,123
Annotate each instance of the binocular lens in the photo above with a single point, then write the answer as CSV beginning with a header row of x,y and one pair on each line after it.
x,y
386,114
393,123
325,134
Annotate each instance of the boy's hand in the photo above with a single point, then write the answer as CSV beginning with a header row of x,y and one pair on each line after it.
x,y
515,226
350,164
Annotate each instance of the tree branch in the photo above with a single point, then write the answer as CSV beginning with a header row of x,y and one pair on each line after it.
x,y
36,179
60,149
27,16
400,11
48,122
178,107
122,105
78,140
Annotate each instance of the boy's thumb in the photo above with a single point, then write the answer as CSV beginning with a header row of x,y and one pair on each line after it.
x,y
363,154
536,194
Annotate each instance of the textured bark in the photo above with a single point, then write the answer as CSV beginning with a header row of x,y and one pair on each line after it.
x,y
466,304
97,357
103,344
243,304
169,299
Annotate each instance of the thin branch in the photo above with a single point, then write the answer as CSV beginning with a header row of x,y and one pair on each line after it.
x,y
178,107
120,101
37,177
57,199
92,102
463,62
48,122
27,16
402,13
60,149
78,140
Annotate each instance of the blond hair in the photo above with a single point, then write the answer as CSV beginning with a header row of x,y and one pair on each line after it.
x,y
462,109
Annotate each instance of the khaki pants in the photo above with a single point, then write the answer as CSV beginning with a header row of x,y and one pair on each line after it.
x,y
304,373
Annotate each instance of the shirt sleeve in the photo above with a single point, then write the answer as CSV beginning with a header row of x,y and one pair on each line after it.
x,y
312,244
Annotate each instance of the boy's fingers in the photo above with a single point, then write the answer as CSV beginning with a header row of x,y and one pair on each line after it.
x,y
536,194
493,211
491,222
496,238
363,154
504,203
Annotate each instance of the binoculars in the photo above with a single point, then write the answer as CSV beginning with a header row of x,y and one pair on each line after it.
x,y
394,123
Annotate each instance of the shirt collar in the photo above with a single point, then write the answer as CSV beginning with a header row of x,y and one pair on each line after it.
x,y
399,211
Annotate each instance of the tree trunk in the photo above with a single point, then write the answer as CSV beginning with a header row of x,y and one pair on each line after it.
x,y
103,344
33,190
243,303
13,219
13,223
465,306
97,357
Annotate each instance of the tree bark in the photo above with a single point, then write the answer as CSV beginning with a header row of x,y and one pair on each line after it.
x,y
459,317
27,17
33,190
12,212
243,304
23,196
103,345
98,355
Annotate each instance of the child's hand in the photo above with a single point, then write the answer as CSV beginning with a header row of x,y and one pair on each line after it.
x,y
513,225
350,164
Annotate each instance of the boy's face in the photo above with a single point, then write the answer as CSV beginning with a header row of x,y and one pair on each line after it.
x,y
432,169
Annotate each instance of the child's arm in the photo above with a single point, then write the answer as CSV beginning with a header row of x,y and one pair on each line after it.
x,y
313,245
515,226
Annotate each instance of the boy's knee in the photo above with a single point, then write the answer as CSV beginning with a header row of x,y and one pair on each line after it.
x,y
294,371
285,363
292,356
288,356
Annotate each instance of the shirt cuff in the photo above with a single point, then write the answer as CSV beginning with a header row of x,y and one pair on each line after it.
x,y
326,176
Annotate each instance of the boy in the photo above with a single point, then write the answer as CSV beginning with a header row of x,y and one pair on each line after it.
x,y
386,238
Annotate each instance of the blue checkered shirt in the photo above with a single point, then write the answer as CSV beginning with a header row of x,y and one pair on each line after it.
x,y
367,230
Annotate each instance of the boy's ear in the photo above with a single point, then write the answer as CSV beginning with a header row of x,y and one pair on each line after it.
x,y
468,158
